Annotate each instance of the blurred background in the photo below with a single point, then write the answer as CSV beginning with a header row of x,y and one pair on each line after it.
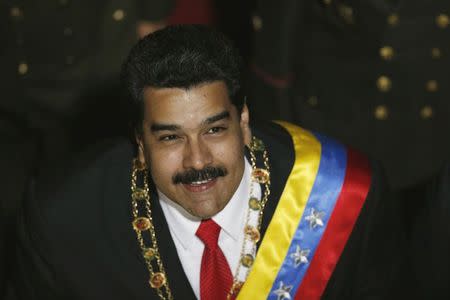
x,y
373,74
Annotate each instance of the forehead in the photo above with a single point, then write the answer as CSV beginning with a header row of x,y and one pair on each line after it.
x,y
178,105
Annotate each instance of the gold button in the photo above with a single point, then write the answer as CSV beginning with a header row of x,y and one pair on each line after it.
x,y
381,112
313,101
22,68
435,53
384,84
442,21
257,23
387,52
16,12
431,86
346,13
327,2
426,112
118,15
68,31
393,19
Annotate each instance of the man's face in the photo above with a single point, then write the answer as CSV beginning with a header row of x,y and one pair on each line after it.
x,y
193,141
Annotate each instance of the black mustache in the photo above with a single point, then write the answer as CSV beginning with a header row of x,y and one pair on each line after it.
x,y
193,175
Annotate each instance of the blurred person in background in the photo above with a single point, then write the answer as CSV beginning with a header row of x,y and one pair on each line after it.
x,y
371,73
427,214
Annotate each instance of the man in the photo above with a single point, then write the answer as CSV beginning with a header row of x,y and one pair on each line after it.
x,y
212,207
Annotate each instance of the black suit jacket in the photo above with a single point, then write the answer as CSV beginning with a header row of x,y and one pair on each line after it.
x,y
78,243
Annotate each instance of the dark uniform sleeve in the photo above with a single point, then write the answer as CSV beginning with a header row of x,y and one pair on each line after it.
x,y
270,75
371,264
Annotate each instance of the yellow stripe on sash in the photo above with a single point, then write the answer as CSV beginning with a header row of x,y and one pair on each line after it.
x,y
287,215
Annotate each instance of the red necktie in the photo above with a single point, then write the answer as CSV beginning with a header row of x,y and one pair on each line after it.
x,y
215,274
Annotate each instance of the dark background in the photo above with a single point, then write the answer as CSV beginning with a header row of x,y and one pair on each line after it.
x,y
373,74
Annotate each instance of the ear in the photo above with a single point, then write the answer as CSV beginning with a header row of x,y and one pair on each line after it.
x,y
140,144
245,125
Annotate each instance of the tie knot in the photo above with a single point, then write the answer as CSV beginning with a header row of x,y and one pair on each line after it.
x,y
208,232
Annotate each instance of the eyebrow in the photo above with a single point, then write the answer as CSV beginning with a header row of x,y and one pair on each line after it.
x,y
164,127
172,127
220,116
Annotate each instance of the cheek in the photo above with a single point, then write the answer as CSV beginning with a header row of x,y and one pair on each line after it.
x,y
230,153
163,164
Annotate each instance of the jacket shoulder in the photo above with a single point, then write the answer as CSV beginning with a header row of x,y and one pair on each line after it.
x,y
69,190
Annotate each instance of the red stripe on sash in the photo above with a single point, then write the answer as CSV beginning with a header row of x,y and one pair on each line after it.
x,y
348,206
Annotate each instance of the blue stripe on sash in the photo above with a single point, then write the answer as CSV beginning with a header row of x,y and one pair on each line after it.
x,y
325,192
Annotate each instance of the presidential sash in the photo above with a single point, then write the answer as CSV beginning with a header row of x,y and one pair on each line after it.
x,y
318,208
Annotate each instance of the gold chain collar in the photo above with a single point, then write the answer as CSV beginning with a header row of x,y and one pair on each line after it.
x,y
143,223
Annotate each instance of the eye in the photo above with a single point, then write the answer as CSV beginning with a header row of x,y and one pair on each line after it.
x,y
214,130
167,138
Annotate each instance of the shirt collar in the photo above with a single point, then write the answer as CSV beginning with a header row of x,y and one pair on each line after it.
x,y
184,226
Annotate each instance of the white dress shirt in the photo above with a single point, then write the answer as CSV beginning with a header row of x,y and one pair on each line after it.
x,y
231,219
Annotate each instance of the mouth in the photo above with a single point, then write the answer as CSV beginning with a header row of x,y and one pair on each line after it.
x,y
200,186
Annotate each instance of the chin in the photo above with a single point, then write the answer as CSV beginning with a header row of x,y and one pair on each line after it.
x,y
205,212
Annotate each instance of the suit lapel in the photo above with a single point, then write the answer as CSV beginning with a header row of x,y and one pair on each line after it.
x,y
178,282
279,146
133,270
123,242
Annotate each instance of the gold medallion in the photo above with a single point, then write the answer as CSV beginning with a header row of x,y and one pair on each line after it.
x,y
254,204
257,145
141,224
260,175
149,253
253,233
157,280
237,286
139,194
247,260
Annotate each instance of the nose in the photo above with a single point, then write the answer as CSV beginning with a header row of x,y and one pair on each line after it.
x,y
197,155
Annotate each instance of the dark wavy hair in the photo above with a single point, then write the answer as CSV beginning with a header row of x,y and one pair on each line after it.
x,y
181,56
